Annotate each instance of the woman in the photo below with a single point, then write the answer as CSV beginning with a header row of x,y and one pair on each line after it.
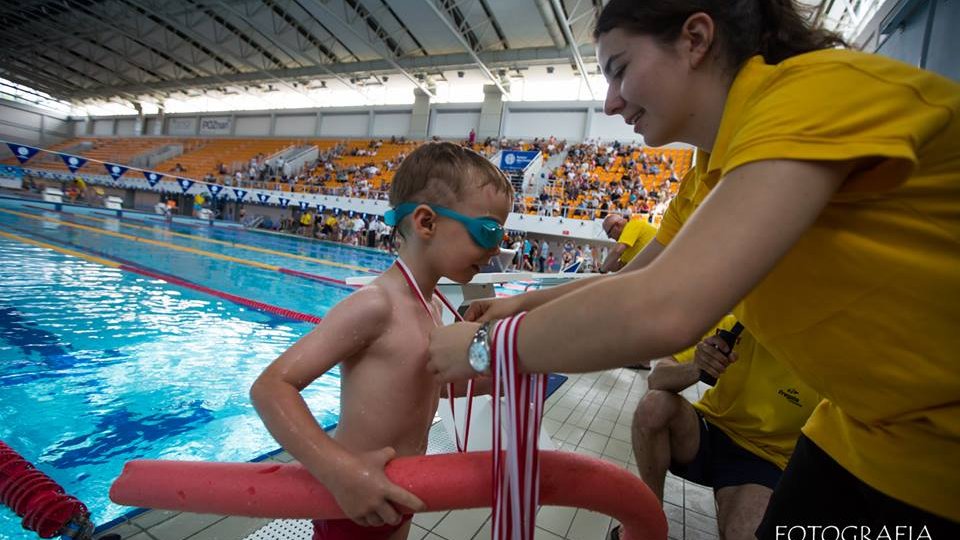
x,y
831,230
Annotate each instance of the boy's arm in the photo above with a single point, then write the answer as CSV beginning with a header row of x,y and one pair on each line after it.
x,y
348,329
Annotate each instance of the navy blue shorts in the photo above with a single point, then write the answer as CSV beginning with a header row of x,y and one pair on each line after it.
x,y
720,462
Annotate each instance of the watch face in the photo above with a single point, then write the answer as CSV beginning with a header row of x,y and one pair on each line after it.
x,y
479,357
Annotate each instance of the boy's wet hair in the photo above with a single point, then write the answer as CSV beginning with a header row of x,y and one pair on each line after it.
x,y
439,172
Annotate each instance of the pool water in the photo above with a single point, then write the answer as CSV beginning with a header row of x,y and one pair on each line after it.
x,y
101,365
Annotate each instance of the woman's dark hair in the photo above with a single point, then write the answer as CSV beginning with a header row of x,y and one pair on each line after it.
x,y
775,29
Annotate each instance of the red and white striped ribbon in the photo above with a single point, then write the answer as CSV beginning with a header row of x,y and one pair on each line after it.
x,y
516,472
408,276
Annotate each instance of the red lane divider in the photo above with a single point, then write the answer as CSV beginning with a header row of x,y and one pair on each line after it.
x,y
315,277
41,502
289,313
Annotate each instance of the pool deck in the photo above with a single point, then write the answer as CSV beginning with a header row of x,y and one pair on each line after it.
x,y
589,414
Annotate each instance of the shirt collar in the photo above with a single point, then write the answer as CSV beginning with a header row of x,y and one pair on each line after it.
x,y
748,80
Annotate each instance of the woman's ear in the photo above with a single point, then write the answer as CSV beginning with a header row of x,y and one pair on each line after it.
x,y
696,38
424,221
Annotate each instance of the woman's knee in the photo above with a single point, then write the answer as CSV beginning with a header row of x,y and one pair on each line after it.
x,y
656,409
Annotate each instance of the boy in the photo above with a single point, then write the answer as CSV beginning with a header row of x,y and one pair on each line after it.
x,y
450,205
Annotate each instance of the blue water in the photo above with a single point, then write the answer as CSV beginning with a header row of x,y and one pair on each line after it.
x,y
101,365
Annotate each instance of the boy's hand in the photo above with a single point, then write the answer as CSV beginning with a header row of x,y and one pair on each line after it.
x,y
711,356
490,309
367,496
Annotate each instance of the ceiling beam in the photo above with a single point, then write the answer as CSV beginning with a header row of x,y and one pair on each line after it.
x,y
441,8
283,81
389,56
574,49
492,59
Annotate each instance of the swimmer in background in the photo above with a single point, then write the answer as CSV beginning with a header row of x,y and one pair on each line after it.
x,y
450,205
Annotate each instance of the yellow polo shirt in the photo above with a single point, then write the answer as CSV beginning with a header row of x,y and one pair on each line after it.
x,y
865,307
687,199
757,402
636,234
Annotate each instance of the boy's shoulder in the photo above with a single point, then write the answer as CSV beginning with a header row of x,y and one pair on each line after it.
x,y
370,305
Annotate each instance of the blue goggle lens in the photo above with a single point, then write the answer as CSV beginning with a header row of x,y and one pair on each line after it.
x,y
486,232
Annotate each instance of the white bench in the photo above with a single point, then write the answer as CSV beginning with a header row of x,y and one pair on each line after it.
x,y
53,195
113,203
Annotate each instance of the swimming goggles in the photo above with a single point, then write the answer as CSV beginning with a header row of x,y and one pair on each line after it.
x,y
486,232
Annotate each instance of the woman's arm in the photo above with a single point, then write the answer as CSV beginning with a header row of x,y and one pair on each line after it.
x,y
752,218
488,309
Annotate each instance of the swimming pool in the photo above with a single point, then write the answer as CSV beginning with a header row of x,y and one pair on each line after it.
x,y
102,365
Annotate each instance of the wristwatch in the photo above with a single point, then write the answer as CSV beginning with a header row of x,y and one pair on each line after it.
x,y
479,352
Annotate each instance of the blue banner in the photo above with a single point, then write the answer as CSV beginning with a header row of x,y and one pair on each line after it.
x,y
152,177
263,198
516,160
185,184
11,170
214,189
320,208
283,202
114,170
240,193
73,162
23,152
304,206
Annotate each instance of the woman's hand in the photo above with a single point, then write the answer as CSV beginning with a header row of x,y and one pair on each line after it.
x,y
448,352
489,309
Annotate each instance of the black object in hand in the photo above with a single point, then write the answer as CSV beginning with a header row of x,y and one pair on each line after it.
x,y
729,337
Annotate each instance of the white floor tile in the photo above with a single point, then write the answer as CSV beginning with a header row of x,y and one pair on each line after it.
x,y
588,525
594,442
601,426
428,520
462,524
556,519
618,450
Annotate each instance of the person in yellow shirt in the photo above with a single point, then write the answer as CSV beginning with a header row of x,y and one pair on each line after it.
x,y
630,235
830,230
306,223
736,439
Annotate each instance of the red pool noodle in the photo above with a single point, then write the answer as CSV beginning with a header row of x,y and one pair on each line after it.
x,y
443,482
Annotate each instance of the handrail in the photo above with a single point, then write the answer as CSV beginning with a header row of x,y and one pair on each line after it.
x,y
443,482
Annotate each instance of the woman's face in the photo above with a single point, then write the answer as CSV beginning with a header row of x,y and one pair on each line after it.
x,y
647,85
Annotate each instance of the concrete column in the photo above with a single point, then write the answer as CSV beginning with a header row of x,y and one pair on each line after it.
x,y
88,128
370,124
160,128
491,113
587,124
316,126
273,124
138,123
420,118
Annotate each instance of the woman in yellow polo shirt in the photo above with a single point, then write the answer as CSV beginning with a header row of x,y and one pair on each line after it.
x,y
831,230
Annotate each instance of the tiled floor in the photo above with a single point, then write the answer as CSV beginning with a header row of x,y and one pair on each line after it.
x,y
589,414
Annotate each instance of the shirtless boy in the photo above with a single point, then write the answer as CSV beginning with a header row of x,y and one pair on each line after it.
x,y
449,205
